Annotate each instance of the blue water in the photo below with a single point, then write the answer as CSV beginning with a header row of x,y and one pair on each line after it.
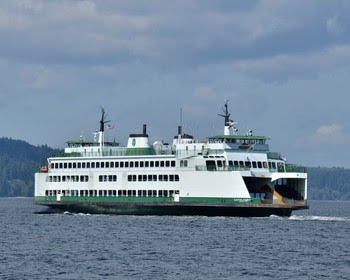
x,y
312,244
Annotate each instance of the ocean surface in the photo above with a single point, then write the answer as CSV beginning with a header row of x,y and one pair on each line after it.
x,y
311,244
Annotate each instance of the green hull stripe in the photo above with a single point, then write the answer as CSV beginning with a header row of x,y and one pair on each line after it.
x,y
44,199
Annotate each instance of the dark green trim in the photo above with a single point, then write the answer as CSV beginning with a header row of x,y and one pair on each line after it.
x,y
141,199
139,152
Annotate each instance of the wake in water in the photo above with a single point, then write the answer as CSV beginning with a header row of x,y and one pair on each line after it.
x,y
319,218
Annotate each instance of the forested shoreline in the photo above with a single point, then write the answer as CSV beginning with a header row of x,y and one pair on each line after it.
x,y
19,161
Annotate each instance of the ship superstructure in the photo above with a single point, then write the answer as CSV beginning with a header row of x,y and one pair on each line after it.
x,y
229,175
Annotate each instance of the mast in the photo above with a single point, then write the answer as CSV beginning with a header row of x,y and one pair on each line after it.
x,y
102,127
228,122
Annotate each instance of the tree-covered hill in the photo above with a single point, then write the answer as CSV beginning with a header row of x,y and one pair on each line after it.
x,y
328,183
18,163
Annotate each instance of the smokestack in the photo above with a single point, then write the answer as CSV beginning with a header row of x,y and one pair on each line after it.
x,y
144,129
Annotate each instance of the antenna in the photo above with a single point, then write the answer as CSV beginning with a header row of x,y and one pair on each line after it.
x,y
228,121
103,120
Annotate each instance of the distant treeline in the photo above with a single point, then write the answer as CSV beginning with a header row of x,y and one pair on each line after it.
x,y
328,183
19,161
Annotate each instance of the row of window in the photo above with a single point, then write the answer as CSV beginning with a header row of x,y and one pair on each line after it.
x,y
134,193
241,163
115,164
107,178
154,178
74,178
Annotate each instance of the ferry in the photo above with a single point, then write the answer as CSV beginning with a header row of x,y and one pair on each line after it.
x,y
224,175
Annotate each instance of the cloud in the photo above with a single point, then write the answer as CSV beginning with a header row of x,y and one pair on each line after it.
x,y
330,134
333,26
184,34
204,93
305,65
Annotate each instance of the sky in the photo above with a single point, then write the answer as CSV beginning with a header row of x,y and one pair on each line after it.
x,y
283,65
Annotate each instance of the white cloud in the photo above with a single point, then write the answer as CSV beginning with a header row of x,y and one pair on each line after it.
x,y
331,134
334,26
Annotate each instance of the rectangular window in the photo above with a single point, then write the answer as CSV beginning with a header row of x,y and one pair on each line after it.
x,y
129,178
83,165
259,164
74,165
79,164
107,164
165,193
160,193
110,178
150,193
154,178
248,164
129,192
116,164
102,164
173,163
150,177
136,164
265,164
171,178
119,192
219,163
165,178
124,193
157,163
61,165
139,178
162,164
167,163
235,163
274,165
144,178
88,165
241,163
65,165
254,164
97,164
131,164
56,165
126,164
139,193
70,165
121,164
146,163
151,164
134,193
160,178
92,164
134,178
100,178
144,193
112,164
141,163
177,178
